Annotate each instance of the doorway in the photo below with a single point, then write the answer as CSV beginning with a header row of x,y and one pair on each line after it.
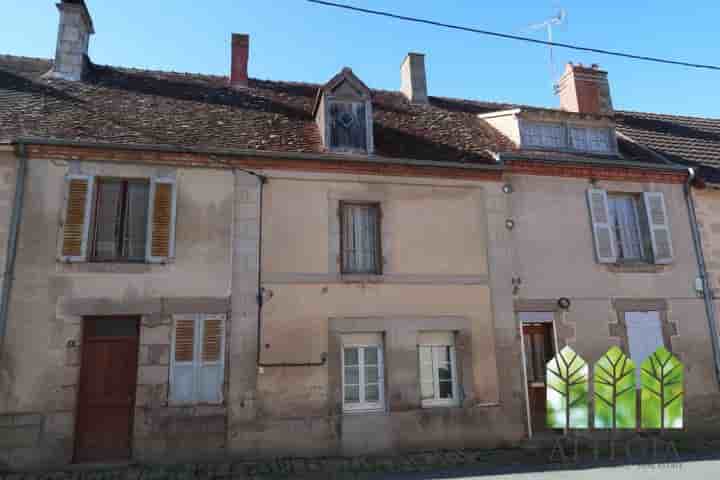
x,y
106,398
538,339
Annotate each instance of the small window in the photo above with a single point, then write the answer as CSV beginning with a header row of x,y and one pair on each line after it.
x,y
546,135
197,370
590,139
348,126
360,238
629,228
363,387
119,230
438,379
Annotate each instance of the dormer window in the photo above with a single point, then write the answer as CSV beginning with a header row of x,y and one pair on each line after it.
x,y
343,113
347,124
566,136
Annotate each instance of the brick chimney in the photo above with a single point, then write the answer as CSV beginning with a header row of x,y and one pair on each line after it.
x,y
413,81
71,53
240,55
585,90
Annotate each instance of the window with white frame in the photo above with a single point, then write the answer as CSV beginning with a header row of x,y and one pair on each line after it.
x,y
197,367
590,139
362,372
546,135
631,234
438,375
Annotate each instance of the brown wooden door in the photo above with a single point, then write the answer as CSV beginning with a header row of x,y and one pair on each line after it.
x,y
107,389
538,338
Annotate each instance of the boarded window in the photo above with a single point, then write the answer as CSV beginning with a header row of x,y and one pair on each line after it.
x,y
120,220
348,126
360,238
198,359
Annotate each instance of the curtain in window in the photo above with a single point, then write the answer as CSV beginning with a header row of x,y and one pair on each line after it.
x,y
625,221
107,215
360,237
136,221
347,128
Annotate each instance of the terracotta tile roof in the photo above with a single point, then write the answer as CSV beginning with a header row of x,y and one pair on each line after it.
x,y
127,106
130,106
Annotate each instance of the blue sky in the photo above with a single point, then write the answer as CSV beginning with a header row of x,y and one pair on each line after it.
x,y
296,40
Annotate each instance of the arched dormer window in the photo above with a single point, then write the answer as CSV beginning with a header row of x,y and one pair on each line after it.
x,y
343,112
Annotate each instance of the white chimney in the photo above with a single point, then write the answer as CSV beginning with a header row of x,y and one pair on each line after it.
x,y
412,77
72,41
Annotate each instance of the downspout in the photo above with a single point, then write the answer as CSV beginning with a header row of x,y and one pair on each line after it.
x,y
260,297
707,293
16,215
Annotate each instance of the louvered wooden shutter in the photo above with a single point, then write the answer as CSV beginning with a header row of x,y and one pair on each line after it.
x,y
212,359
184,352
78,206
161,221
604,240
659,226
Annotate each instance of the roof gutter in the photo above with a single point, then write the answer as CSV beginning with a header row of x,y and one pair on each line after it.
x,y
11,249
596,161
330,157
702,269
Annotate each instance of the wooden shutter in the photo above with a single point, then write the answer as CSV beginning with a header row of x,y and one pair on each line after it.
x,y
603,237
659,226
184,352
161,220
211,374
78,206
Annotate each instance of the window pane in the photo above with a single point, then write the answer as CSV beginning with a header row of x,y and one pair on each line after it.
x,y
625,222
107,219
352,375
351,356
112,327
426,355
371,356
444,372
360,238
444,354
446,390
352,394
136,220
372,393
371,374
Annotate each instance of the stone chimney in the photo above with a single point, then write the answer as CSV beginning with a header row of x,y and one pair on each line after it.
x,y
585,90
239,62
71,53
413,81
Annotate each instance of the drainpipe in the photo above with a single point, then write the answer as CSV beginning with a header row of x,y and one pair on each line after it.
x,y
16,215
707,293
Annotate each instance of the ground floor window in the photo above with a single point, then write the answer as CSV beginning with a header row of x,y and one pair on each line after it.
x,y
362,363
438,378
197,369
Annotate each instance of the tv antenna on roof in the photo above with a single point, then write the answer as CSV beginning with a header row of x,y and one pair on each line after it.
x,y
559,19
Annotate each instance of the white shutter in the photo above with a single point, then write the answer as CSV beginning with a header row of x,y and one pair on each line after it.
x,y
659,225
162,207
210,374
644,332
182,364
76,224
604,240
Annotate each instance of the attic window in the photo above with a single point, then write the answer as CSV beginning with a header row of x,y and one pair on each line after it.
x,y
560,136
348,126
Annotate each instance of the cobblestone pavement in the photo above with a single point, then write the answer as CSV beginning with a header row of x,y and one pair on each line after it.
x,y
435,464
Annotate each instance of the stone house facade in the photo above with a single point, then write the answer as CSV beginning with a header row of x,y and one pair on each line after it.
x,y
206,266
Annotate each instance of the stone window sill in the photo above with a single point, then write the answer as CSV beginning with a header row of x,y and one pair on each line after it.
x,y
637,268
112,267
360,278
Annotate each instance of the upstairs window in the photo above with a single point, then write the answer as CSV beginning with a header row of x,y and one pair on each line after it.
x,y
630,227
348,126
120,221
360,238
567,137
